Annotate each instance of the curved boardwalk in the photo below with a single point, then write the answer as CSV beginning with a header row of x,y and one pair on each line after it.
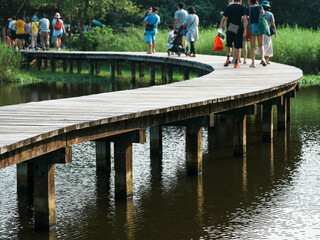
x,y
37,135
49,125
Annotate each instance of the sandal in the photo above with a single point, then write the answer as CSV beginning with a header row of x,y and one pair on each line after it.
x,y
252,65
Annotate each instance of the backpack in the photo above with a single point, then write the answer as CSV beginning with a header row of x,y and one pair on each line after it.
x,y
58,25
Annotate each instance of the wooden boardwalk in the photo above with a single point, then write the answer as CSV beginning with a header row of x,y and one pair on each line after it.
x,y
32,129
37,135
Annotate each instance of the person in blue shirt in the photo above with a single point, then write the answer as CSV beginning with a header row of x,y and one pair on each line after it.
x,y
151,27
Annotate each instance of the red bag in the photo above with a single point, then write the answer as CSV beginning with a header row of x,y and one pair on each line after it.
x,y
248,35
218,46
58,25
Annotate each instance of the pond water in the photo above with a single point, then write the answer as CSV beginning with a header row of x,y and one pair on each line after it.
x,y
272,193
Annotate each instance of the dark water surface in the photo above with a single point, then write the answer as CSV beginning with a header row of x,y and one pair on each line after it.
x,y
272,193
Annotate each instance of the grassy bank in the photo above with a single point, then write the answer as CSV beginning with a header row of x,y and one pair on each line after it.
x,y
10,62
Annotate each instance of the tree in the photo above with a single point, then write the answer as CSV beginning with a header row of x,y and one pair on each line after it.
x,y
84,11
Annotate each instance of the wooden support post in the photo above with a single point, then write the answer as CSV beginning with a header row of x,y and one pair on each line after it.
x,y
152,70
267,123
39,63
239,135
123,160
44,186
70,66
170,73
123,170
194,149
97,67
45,66
141,70
119,68
79,66
156,150
288,109
44,194
65,65
282,115
53,65
91,67
112,70
163,73
220,137
133,71
103,159
25,177
186,74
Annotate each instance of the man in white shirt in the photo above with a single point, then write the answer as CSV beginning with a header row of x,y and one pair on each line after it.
x,y
180,16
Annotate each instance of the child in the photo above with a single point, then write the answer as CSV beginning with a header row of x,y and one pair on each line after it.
x,y
170,37
148,12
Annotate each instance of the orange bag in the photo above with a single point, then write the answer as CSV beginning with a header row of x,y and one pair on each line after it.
x,y
248,35
218,46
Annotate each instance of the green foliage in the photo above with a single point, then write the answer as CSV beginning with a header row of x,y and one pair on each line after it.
x,y
93,40
10,62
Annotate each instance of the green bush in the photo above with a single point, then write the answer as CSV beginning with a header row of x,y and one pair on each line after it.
x,y
10,62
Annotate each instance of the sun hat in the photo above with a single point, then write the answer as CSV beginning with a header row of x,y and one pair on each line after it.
x,y
35,18
57,15
266,3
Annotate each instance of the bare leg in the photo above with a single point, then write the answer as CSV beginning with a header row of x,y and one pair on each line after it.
x,y
260,45
150,47
236,52
154,47
253,48
245,51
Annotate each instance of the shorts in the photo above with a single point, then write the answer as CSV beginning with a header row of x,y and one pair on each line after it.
x,y
234,40
150,36
254,29
59,35
13,34
20,36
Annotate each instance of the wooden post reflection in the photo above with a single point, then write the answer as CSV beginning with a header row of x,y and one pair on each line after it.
x,y
244,175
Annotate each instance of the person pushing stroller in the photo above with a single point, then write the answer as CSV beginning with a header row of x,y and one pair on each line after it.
x,y
175,42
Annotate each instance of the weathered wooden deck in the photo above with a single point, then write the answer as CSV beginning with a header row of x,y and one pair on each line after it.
x,y
32,129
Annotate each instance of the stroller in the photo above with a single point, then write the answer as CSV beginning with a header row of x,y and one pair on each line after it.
x,y
177,45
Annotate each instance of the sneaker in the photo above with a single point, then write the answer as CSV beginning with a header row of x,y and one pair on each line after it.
x,y
244,61
239,61
226,64
263,62
236,65
252,65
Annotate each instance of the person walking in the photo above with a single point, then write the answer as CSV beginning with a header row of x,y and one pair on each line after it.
x,y
151,27
44,32
58,30
192,26
20,26
233,17
267,40
180,16
34,32
254,11
27,33
12,32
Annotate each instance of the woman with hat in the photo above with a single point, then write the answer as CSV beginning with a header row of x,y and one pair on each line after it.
x,y
58,30
267,40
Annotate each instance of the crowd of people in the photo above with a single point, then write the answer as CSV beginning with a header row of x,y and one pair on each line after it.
x,y
241,23
24,34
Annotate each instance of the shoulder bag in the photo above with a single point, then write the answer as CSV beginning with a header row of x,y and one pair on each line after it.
x,y
263,25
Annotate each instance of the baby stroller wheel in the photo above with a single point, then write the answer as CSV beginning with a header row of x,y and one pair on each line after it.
x,y
179,54
168,54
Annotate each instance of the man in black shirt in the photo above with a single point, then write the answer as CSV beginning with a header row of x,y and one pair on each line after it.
x,y
235,18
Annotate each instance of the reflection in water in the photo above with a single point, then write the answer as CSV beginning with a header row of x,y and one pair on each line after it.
x,y
272,193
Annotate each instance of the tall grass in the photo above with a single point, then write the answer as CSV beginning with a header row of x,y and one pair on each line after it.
x,y
10,62
293,45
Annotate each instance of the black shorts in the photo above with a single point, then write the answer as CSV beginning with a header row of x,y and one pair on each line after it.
x,y
234,40
13,35
20,36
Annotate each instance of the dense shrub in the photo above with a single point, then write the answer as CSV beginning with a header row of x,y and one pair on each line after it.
x,y
10,62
